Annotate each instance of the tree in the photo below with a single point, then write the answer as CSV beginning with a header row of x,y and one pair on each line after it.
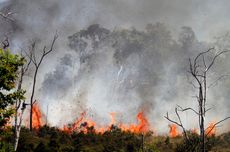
x,y
199,68
32,56
9,66
19,105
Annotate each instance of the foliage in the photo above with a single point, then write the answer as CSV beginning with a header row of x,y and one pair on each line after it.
x,y
6,140
51,139
193,145
9,66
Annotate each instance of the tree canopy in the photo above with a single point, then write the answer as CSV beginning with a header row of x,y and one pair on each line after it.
x,y
9,68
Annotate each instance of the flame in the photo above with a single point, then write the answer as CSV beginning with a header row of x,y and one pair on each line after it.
x,y
75,125
37,116
113,120
143,125
211,129
173,132
83,123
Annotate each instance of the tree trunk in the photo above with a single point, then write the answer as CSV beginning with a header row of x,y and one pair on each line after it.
x,y
31,99
18,130
202,135
17,127
142,142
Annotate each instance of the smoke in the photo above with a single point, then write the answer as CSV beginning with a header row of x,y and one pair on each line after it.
x,y
123,65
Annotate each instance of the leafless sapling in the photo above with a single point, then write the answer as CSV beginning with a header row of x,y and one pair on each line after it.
x,y
37,62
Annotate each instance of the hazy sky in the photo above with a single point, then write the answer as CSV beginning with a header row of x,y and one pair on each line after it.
x,y
207,18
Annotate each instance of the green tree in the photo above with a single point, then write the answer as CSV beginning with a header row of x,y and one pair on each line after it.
x,y
9,66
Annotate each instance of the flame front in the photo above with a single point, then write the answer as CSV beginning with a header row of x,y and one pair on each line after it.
x,y
83,123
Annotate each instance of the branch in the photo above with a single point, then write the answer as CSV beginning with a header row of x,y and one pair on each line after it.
x,y
218,79
202,53
52,44
178,123
7,16
186,109
216,125
204,62
34,102
207,110
213,60
47,52
167,117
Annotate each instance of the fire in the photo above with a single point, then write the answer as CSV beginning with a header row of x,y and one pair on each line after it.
x,y
83,123
113,120
75,125
173,132
37,116
211,130
143,125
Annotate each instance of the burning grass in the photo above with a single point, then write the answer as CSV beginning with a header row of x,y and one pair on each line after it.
x,y
142,125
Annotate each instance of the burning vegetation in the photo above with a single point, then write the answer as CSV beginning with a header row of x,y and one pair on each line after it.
x,y
82,123
142,125
173,131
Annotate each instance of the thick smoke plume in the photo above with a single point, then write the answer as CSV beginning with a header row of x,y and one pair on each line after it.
x,y
123,65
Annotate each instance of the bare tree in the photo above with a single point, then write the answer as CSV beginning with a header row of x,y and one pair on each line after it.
x,y
37,64
198,69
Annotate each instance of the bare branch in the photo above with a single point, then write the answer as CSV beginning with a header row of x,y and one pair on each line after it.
x,y
204,62
52,44
180,124
217,80
34,102
169,119
213,126
47,52
207,110
7,16
202,53
213,60
186,109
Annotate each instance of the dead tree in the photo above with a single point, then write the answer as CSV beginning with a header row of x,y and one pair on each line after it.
x,y
198,69
37,64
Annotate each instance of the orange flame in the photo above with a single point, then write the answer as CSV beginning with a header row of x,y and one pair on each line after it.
x,y
75,125
113,120
37,116
211,130
82,124
173,132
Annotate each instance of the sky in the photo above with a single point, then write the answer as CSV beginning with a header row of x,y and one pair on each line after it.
x,y
207,18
